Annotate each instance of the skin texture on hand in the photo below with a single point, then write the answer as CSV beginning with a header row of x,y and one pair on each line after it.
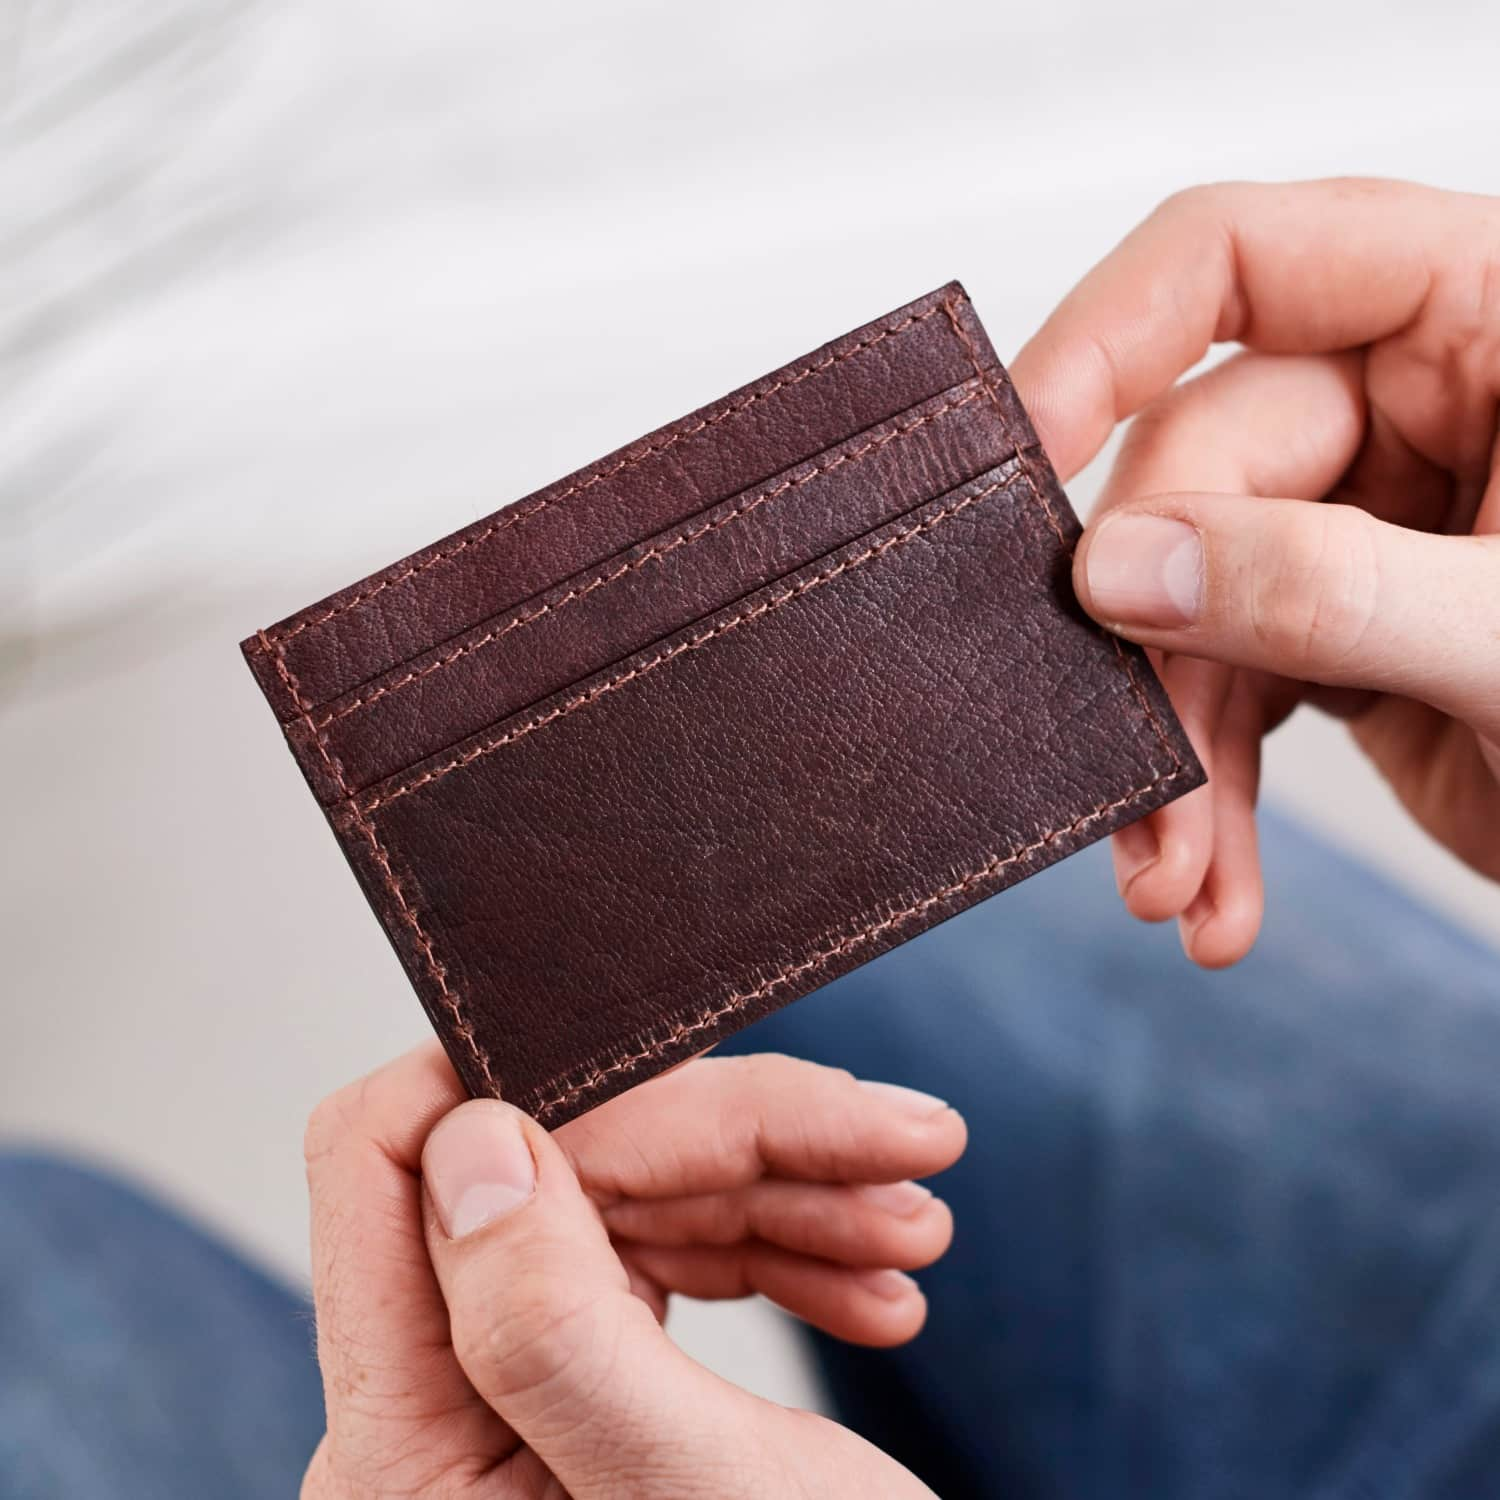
x,y
1317,518
490,1297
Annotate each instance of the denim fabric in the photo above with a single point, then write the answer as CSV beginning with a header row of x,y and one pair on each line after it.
x,y
139,1358
1233,1237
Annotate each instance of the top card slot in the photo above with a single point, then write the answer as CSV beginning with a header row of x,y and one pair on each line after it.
x,y
605,613
436,594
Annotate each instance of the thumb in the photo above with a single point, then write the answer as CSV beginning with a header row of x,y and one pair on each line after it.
x,y
1322,593
546,1327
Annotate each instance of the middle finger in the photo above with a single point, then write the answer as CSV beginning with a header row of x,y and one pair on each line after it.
x,y
1258,424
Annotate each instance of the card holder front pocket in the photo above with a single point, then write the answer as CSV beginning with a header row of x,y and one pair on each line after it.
x,y
675,845
647,591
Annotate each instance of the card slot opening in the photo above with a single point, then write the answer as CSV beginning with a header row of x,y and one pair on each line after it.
x,y
750,606
937,311
706,523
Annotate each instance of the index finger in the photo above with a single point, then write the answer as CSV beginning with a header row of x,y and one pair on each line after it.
x,y
1305,267
722,1123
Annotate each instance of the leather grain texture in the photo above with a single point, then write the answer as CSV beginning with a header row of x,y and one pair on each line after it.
x,y
693,731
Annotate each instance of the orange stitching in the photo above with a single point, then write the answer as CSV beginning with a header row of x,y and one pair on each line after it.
x,y
408,912
683,539
513,516
896,539
1136,687
1039,494
844,945
962,334
438,972
986,871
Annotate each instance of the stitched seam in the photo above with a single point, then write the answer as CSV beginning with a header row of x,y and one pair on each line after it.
x,y
514,516
408,913
683,539
692,643
1040,496
986,871
1137,688
962,334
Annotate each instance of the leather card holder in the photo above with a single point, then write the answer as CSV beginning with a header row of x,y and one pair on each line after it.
x,y
689,733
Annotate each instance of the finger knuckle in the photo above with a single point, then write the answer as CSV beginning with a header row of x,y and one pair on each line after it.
x,y
542,1332
1477,334
335,1120
326,1127
762,1069
1157,433
1149,432
793,1109
779,1078
729,1218
1314,589
1182,204
1199,200
553,1356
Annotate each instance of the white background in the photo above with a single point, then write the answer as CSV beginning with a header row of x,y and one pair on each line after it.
x,y
287,290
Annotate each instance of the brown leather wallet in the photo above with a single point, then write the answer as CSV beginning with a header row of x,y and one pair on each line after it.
x,y
724,715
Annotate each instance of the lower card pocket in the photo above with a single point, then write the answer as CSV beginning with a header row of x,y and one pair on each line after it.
x,y
721,822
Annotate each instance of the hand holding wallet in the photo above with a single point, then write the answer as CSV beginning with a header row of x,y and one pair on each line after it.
x,y
689,733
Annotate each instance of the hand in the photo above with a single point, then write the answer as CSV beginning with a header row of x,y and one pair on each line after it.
x,y
489,1297
1370,316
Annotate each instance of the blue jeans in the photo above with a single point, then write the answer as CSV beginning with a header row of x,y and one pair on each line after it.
x,y
139,1357
1219,1236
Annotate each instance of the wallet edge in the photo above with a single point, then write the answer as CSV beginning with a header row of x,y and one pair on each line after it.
x,y
397,913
